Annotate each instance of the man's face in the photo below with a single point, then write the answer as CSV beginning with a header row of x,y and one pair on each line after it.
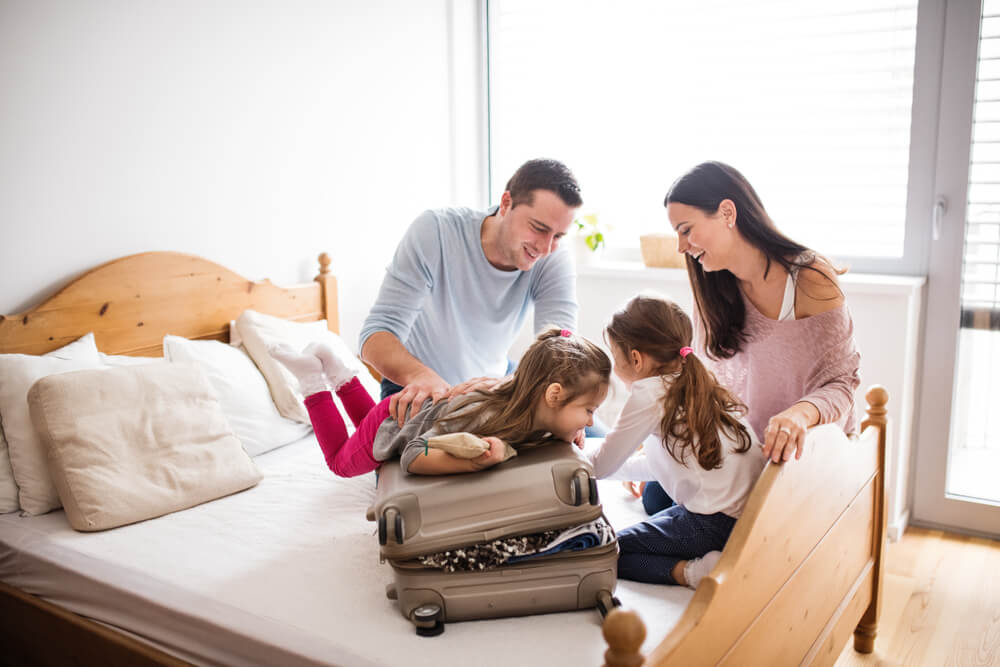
x,y
532,231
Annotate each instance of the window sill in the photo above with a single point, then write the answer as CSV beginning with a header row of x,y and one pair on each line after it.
x,y
856,283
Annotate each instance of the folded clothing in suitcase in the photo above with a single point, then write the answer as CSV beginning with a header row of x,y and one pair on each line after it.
x,y
545,488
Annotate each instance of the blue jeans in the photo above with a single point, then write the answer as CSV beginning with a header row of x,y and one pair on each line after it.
x,y
655,499
651,549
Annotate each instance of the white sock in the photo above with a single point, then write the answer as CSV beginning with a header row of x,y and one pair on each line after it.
x,y
306,368
698,568
338,371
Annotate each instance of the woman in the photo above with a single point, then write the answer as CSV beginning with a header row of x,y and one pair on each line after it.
x,y
770,318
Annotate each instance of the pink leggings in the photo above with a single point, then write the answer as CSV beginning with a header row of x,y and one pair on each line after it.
x,y
347,457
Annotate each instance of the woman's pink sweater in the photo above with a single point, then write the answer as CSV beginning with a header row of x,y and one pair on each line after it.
x,y
813,359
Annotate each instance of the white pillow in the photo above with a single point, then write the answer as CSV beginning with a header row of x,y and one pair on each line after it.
x,y
127,444
242,392
24,474
118,360
258,332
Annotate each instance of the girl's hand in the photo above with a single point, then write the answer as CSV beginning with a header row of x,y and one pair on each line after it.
x,y
635,488
494,456
580,438
786,431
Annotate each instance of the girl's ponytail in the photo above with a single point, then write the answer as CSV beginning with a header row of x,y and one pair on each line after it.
x,y
696,408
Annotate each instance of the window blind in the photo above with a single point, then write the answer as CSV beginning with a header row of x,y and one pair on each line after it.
x,y
810,100
981,256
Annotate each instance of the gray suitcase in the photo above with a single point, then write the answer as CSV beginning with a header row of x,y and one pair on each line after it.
x,y
544,488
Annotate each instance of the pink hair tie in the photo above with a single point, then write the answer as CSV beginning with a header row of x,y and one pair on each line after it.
x,y
565,333
685,351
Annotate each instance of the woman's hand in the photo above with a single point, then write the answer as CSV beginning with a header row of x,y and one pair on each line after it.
x,y
786,431
494,456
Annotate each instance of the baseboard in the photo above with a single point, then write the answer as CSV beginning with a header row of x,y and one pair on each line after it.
x,y
898,526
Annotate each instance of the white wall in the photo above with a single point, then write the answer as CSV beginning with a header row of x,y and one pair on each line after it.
x,y
255,134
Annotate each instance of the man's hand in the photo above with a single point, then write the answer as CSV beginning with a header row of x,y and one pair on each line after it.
x,y
494,456
475,384
426,385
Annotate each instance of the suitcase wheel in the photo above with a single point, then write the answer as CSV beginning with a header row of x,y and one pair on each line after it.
x,y
594,500
577,491
399,529
606,602
427,619
382,530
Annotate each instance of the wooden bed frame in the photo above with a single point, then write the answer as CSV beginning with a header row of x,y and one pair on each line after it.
x,y
801,571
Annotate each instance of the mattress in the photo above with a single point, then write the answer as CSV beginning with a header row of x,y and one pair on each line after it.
x,y
288,573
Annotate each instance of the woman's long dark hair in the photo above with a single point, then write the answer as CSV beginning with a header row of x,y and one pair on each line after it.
x,y
509,408
696,408
717,293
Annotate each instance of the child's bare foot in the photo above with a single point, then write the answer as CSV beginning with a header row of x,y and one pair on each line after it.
x,y
306,368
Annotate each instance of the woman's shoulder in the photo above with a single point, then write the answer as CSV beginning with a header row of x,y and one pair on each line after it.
x,y
817,289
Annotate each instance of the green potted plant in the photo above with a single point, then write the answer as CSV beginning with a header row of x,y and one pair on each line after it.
x,y
590,241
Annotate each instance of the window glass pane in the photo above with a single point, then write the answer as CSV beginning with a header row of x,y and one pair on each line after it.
x,y
810,100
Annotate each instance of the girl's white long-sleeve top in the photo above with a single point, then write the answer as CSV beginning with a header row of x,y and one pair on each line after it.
x,y
701,491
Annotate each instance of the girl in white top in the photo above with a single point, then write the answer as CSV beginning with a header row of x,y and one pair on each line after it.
x,y
697,446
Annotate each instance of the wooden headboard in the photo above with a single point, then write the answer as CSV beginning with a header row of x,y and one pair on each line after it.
x,y
131,303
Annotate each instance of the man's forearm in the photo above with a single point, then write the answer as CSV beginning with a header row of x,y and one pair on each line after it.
x,y
388,356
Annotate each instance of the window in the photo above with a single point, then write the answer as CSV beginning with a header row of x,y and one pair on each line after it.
x,y
810,100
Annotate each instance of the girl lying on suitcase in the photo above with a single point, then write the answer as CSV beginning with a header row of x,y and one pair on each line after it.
x,y
553,393
699,450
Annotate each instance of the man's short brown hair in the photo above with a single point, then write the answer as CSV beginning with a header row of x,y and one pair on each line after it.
x,y
544,174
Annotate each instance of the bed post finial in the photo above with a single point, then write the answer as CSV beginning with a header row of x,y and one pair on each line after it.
x,y
877,397
867,629
624,632
329,296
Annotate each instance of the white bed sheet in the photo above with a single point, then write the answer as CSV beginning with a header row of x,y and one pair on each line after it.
x,y
288,573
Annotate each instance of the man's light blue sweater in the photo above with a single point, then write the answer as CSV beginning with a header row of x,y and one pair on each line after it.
x,y
453,310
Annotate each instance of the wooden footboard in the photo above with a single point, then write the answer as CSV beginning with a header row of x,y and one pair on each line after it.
x,y
801,571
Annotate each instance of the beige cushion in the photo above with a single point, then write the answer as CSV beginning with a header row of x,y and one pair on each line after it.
x,y
24,474
258,332
466,445
127,444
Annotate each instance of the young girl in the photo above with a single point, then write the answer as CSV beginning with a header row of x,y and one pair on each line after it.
x,y
700,453
558,385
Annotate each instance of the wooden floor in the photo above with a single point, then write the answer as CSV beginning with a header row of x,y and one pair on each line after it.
x,y
941,604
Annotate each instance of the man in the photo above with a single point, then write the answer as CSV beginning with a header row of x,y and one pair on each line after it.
x,y
461,283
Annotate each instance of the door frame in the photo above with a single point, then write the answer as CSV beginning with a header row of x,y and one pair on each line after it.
x,y
931,505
